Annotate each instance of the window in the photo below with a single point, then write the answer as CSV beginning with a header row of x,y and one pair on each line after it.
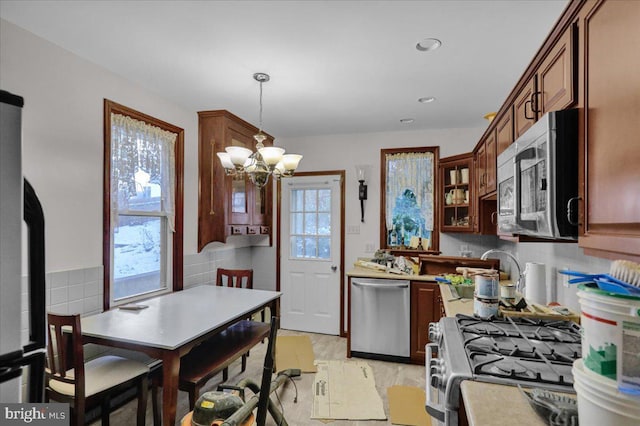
x,y
310,218
408,213
142,250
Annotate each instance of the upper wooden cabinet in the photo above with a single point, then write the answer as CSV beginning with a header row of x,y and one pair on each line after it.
x,y
228,205
610,211
504,131
457,177
486,163
552,87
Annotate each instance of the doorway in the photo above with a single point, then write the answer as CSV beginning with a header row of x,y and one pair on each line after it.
x,y
311,252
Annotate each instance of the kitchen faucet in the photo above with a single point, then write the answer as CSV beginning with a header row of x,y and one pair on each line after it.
x,y
520,284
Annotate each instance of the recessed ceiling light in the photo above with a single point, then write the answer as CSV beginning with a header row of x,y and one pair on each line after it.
x,y
428,44
406,120
426,100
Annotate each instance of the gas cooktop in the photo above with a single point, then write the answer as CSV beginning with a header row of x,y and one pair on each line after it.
x,y
521,350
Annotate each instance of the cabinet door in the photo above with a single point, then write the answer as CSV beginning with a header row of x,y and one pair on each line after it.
x,y
524,115
491,168
211,197
557,75
424,309
239,187
611,221
504,131
481,163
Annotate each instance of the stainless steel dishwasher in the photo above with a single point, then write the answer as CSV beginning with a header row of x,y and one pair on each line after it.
x,y
380,318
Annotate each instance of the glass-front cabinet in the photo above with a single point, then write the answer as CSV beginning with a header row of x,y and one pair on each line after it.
x,y
456,175
229,205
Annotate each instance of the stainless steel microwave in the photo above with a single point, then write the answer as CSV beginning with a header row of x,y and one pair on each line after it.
x,y
538,179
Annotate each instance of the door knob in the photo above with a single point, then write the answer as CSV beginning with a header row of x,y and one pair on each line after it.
x,y
334,268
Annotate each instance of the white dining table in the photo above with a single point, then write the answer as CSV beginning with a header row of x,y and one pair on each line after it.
x,y
172,324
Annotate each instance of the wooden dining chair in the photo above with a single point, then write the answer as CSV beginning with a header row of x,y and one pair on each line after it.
x,y
240,278
84,385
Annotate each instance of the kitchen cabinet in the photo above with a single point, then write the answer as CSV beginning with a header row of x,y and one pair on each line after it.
x,y
553,85
426,307
610,177
228,205
486,162
504,131
457,177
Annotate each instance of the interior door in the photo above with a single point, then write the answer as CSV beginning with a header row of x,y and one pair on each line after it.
x,y
310,267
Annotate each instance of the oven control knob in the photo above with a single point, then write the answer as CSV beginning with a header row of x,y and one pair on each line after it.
x,y
436,380
434,331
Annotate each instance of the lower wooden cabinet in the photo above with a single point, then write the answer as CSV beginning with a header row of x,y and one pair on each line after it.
x,y
426,307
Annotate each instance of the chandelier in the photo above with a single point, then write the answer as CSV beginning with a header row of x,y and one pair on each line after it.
x,y
266,161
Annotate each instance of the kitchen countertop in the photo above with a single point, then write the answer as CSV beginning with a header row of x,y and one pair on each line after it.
x,y
497,405
370,273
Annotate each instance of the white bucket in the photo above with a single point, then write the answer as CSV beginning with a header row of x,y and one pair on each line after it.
x,y
600,403
611,336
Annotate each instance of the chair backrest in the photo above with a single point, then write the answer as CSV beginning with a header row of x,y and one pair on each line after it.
x,y
65,351
241,278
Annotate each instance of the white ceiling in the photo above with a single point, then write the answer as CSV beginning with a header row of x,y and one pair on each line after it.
x,y
336,66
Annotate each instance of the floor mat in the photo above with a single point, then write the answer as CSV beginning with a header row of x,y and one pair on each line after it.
x,y
346,390
295,352
406,406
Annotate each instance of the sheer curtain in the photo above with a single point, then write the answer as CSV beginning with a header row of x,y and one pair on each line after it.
x,y
414,172
140,147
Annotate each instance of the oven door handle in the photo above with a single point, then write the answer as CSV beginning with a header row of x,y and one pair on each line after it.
x,y
433,408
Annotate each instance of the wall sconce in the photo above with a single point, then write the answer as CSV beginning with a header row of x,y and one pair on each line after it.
x,y
361,173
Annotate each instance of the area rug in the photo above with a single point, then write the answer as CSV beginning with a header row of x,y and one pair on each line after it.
x,y
346,390
295,352
406,406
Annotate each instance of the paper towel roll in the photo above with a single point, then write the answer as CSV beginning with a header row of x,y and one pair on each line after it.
x,y
535,283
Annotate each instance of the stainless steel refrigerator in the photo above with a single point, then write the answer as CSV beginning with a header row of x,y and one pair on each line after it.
x,y
22,358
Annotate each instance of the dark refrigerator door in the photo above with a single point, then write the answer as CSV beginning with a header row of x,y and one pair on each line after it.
x,y
34,218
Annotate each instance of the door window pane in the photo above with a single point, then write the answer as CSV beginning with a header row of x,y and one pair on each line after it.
x,y
310,219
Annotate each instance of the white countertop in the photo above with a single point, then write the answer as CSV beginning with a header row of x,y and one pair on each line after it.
x,y
173,319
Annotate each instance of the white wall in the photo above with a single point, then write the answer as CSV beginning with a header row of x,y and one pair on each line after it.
x,y
343,152
63,141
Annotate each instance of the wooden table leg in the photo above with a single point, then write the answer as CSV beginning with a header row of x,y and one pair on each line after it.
x,y
170,374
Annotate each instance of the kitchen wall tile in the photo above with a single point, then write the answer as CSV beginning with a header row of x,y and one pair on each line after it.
x,y
76,306
60,308
92,304
76,292
93,288
59,279
94,274
76,276
59,295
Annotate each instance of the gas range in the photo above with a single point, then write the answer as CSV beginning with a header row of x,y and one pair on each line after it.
x,y
510,351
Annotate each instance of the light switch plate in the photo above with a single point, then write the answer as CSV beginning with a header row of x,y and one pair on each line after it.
x,y
353,229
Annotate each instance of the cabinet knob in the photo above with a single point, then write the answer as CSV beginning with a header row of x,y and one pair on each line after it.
x,y
334,268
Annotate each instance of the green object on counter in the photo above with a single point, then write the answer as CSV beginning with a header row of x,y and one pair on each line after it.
x,y
465,291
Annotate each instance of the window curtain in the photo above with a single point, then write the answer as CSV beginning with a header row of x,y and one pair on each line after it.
x,y
138,146
414,172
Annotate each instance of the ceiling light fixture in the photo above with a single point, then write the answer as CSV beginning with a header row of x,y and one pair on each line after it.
x,y
406,120
428,44
266,161
426,100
